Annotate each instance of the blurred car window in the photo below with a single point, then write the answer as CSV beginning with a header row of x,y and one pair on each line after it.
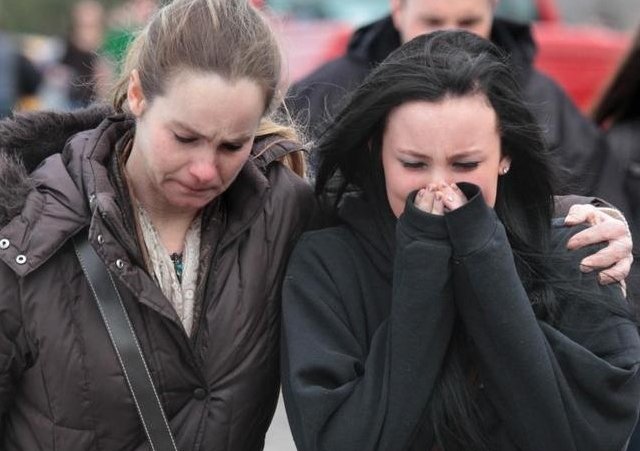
x,y
356,12
518,10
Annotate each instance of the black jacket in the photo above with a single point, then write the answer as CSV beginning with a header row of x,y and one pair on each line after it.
x,y
620,183
367,320
577,141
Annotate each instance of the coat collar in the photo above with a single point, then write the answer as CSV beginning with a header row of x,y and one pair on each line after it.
x,y
70,190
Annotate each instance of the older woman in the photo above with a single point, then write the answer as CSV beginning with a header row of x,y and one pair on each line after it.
x,y
193,216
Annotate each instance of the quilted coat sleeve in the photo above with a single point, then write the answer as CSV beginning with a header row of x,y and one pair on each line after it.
x,y
13,344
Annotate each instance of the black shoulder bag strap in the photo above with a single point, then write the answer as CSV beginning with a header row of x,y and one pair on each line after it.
x,y
126,345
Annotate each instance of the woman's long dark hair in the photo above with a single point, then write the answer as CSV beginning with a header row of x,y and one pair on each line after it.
x,y
432,68
621,99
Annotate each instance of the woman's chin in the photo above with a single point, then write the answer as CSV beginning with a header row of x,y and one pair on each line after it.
x,y
190,202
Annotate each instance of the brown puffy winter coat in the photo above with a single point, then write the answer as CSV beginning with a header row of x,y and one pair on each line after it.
x,y
61,387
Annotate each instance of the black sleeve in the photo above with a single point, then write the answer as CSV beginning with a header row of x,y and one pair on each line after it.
x,y
552,387
562,204
315,100
29,77
578,144
293,210
341,393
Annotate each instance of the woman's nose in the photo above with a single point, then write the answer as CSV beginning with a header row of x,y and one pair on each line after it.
x,y
204,171
439,176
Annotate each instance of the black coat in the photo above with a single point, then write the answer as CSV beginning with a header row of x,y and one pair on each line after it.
x,y
367,320
620,184
577,141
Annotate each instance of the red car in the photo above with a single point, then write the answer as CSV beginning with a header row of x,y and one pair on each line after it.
x,y
579,57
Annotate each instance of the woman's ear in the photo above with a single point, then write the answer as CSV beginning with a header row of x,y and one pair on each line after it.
x,y
135,96
505,165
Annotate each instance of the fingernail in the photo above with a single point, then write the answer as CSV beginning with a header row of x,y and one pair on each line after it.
x,y
585,267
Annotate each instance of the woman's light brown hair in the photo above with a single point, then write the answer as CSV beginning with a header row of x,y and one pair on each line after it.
x,y
227,37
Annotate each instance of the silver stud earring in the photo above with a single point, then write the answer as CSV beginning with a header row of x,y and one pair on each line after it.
x,y
504,170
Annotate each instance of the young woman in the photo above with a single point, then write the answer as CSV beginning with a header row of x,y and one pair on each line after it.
x,y
444,312
194,217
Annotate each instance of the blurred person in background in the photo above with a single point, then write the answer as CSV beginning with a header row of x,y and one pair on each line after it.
x,y
580,144
619,14
19,78
80,55
618,112
575,140
124,21
180,189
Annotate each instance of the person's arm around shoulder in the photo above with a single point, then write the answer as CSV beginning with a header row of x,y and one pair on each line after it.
x,y
606,225
594,337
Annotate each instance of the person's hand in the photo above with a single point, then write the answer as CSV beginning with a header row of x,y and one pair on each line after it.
x,y
615,259
440,198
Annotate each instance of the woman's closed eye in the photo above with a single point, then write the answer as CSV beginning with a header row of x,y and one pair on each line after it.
x,y
184,139
413,164
232,147
466,165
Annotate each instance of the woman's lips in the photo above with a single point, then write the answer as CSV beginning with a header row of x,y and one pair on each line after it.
x,y
196,190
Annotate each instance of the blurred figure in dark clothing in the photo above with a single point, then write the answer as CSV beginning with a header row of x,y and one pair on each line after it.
x,y
618,110
576,140
18,77
81,57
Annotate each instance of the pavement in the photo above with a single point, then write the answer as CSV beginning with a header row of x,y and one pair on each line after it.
x,y
279,436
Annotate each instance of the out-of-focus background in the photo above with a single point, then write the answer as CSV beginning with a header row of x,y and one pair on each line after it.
x,y
77,45
70,52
